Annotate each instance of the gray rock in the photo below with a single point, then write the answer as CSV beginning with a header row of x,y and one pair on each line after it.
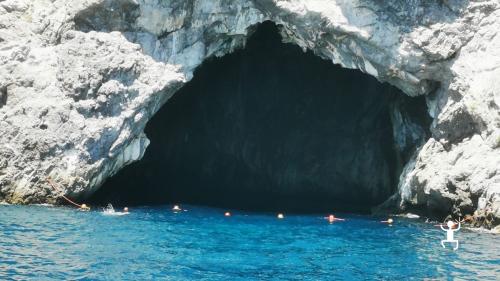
x,y
80,79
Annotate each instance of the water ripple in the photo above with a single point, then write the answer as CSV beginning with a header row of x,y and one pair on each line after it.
x,y
48,243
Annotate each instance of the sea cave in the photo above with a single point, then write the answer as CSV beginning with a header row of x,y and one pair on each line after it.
x,y
271,127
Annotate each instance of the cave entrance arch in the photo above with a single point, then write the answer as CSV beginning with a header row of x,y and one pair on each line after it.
x,y
268,127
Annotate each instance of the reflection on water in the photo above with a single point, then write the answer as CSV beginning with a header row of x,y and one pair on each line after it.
x,y
41,243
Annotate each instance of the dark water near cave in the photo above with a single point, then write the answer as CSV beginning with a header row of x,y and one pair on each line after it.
x,y
47,243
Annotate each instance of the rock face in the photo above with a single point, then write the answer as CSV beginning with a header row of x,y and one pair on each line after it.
x,y
80,79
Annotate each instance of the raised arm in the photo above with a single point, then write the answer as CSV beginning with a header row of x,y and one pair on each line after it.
x,y
458,227
442,227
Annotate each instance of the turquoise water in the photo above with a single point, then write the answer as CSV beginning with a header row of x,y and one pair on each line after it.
x,y
48,243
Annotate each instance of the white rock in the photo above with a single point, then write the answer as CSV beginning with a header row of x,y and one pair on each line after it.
x,y
80,79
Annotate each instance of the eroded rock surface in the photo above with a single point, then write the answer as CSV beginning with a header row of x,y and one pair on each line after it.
x,y
80,79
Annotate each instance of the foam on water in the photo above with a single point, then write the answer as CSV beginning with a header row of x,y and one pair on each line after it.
x,y
40,243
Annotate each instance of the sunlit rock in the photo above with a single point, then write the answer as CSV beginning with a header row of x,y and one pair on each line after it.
x,y
80,79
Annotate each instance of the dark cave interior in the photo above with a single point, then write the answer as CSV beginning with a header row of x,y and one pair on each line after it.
x,y
269,128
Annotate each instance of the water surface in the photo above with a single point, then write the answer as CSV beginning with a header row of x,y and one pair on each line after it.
x,y
48,243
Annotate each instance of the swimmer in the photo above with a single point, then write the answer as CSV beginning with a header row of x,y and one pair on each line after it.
x,y
449,234
109,209
280,216
176,208
332,219
389,221
84,207
227,214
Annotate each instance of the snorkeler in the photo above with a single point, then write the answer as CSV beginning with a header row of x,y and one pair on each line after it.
x,y
449,233
84,207
332,218
109,209
389,221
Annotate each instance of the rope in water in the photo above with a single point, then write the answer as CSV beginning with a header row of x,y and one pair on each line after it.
x,y
62,195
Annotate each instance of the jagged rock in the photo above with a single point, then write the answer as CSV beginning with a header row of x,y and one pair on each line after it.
x,y
80,79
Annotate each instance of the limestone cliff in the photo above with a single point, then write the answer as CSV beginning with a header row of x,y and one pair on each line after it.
x,y
80,79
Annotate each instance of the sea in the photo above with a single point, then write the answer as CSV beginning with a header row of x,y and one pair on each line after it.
x,y
201,243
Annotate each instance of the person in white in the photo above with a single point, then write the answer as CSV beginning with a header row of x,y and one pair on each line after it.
x,y
449,234
110,211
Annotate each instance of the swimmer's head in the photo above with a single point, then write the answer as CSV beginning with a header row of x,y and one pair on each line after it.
x,y
280,216
84,206
125,209
176,208
390,221
450,224
227,214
